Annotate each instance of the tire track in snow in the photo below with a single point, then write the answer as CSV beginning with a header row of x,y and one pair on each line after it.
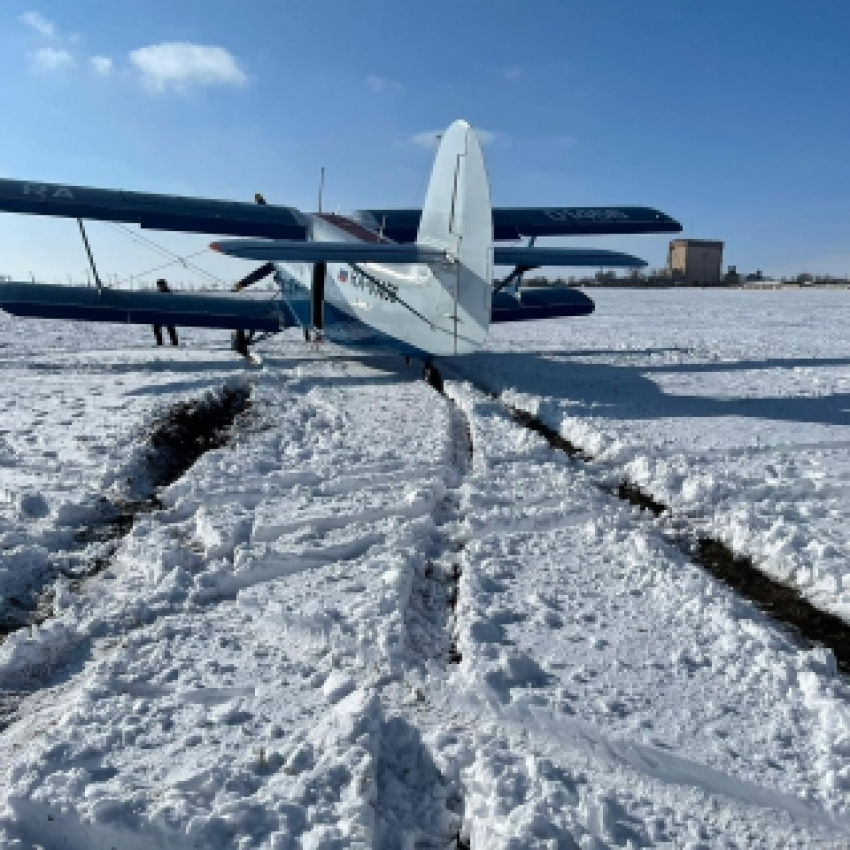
x,y
408,774
433,597
784,604
175,442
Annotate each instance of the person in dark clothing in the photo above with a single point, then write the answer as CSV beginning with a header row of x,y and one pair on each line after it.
x,y
162,286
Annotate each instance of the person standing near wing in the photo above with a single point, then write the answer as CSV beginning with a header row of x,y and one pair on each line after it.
x,y
162,286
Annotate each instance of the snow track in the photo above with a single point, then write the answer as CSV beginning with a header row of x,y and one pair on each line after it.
x,y
431,630
430,617
171,445
783,603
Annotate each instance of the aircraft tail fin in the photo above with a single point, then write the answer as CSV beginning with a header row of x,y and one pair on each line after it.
x,y
457,217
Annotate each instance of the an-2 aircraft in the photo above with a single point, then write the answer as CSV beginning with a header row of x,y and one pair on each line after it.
x,y
415,282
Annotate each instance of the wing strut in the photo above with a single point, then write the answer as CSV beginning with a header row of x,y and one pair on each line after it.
x,y
88,251
515,277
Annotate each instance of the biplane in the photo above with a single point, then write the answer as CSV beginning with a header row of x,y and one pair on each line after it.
x,y
419,283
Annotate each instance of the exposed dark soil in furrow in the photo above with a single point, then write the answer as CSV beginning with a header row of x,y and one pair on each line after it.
x,y
430,616
549,434
191,429
780,602
175,442
432,610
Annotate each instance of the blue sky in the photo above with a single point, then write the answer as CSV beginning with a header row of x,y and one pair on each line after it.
x,y
731,116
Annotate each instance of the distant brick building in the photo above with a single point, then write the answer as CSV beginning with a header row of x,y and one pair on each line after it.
x,y
695,262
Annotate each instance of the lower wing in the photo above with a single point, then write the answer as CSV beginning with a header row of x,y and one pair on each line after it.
x,y
532,303
83,303
143,308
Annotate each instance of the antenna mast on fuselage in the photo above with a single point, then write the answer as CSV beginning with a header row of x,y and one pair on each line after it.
x,y
321,186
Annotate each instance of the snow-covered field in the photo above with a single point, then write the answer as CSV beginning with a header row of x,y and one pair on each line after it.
x,y
383,617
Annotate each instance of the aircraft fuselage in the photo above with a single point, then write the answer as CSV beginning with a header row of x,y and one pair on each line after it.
x,y
411,309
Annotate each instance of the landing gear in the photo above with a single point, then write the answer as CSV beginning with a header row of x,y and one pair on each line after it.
x,y
239,342
433,377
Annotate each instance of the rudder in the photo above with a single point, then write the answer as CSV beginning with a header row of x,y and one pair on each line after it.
x,y
457,216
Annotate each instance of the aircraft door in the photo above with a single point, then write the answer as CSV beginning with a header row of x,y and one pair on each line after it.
x,y
317,300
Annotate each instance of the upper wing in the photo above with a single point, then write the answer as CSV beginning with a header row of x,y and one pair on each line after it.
x,y
88,304
531,258
516,222
157,212
278,250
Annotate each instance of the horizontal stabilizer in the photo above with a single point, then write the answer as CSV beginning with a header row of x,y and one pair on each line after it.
x,y
88,304
515,222
532,258
532,303
156,212
277,250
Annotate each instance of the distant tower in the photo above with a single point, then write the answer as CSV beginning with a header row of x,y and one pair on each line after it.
x,y
695,262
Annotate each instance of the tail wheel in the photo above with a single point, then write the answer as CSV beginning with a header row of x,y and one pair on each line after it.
x,y
433,377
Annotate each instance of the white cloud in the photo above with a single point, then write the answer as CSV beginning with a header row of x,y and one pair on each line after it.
x,y
181,65
52,59
513,73
384,85
488,138
101,64
39,23
430,138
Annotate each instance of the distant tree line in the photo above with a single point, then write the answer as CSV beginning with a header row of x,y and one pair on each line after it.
x,y
661,278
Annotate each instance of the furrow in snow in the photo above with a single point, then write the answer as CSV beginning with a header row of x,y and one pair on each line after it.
x,y
418,804
173,443
780,600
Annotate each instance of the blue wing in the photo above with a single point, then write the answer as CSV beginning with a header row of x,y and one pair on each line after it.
x,y
144,308
515,222
157,212
530,304
278,250
532,258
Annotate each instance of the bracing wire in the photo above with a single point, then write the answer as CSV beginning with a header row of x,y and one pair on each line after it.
x,y
167,265
167,253
175,258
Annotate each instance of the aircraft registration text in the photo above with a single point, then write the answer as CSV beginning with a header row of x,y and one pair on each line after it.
x,y
586,215
44,192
